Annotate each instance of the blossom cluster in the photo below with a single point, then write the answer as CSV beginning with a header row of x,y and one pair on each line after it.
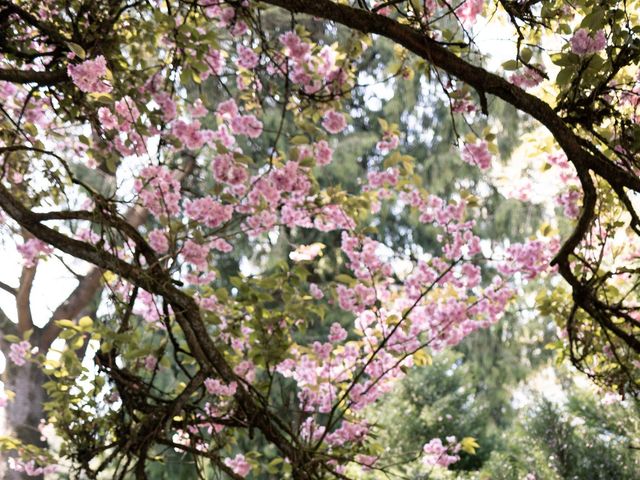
x,y
89,75
585,43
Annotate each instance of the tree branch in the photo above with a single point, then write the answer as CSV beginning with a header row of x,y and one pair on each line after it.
x,y
31,76
23,299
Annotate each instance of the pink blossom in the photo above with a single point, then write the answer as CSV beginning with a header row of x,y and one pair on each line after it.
x,y
190,134
216,387
198,109
528,79
246,369
18,352
315,291
88,75
158,241
167,105
469,10
337,333
159,190
582,43
295,47
221,245
247,125
530,258
127,110
150,362
438,454
228,109
208,211
323,153
569,201
247,58
215,62
195,254
30,468
477,154
32,249
334,122
366,461
107,119
389,142
226,170
239,465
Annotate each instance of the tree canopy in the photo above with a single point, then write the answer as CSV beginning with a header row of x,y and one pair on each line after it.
x,y
276,211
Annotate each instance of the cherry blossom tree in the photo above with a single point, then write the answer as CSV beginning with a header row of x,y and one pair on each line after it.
x,y
142,141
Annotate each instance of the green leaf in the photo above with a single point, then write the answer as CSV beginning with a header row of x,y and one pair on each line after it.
x,y
511,65
77,49
565,75
66,324
526,54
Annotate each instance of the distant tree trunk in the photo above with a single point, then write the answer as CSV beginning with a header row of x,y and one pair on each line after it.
x,y
23,414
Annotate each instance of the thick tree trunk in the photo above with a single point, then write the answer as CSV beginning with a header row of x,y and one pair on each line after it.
x,y
23,414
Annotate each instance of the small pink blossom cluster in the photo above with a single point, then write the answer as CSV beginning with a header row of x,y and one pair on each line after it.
x,y
18,352
469,10
567,174
146,306
247,58
363,256
247,125
89,75
528,79
191,135
333,217
583,43
158,241
569,201
433,209
386,178
315,291
238,465
30,468
150,362
334,122
477,154
312,72
216,387
390,141
436,453
128,141
530,259
295,48
227,170
323,153
367,461
348,432
32,249
195,254
287,187
337,333
215,61
167,105
208,211
159,190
